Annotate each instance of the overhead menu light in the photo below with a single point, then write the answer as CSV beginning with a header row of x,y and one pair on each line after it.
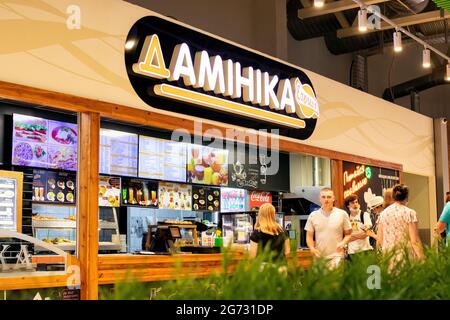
x,y
362,20
398,41
319,3
448,72
426,61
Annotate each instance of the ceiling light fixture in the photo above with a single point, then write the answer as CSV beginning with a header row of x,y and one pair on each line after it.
x,y
397,41
319,3
448,71
362,20
426,58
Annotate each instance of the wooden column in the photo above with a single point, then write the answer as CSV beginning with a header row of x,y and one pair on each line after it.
x,y
337,183
87,231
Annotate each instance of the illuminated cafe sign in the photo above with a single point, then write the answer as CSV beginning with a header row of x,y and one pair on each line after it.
x,y
179,69
356,180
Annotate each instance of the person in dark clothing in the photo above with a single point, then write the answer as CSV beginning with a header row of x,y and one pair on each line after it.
x,y
268,234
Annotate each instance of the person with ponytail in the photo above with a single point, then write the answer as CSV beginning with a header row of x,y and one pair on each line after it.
x,y
398,227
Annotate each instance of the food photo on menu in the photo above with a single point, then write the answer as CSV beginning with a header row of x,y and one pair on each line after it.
x,y
109,192
57,187
44,143
207,165
175,196
138,192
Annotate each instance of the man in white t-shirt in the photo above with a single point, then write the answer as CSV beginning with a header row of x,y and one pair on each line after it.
x,y
360,222
328,230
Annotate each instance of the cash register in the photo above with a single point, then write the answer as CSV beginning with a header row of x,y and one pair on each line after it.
x,y
162,239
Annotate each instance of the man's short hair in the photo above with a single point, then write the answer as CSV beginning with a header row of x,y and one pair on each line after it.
x,y
350,198
326,189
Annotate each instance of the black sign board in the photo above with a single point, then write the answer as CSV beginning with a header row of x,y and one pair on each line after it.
x,y
205,198
54,187
71,294
367,181
139,192
258,169
180,69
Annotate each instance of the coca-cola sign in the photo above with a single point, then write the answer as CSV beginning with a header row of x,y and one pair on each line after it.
x,y
257,198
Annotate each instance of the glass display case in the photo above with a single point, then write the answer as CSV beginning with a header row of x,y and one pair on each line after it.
x,y
237,227
56,224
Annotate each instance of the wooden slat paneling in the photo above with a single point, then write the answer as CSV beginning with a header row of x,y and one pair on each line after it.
x,y
113,268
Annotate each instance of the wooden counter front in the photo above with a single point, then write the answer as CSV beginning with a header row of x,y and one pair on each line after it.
x,y
148,268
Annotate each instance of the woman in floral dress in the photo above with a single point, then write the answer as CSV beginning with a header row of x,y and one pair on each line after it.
x,y
398,228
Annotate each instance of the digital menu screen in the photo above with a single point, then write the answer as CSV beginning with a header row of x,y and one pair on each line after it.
x,y
175,196
233,200
118,153
43,143
109,191
162,159
138,192
205,198
207,165
54,187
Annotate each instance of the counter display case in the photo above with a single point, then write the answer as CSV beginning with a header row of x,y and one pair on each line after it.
x,y
57,225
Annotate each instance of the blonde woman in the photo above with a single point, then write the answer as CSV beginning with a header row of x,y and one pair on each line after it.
x,y
268,233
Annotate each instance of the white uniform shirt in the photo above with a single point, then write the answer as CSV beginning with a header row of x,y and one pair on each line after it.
x,y
328,230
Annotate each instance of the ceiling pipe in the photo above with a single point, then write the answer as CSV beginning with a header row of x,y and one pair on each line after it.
x,y
430,80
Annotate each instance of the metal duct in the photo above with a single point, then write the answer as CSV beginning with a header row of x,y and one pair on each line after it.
x,y
433,79
327,25
406,7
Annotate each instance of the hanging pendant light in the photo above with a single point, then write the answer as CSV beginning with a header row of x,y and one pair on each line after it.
x,y
362,20
397,41
426,58
319,3
448,71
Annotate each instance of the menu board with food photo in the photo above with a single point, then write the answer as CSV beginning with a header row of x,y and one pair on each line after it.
x,y
207,165
213,199
205,198
109,192
199,198
233,200
118,153
54,187
175,196
138,192
11,200
43,143
162,159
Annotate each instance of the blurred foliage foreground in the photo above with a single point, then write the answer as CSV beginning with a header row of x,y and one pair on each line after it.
x,y
364,277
